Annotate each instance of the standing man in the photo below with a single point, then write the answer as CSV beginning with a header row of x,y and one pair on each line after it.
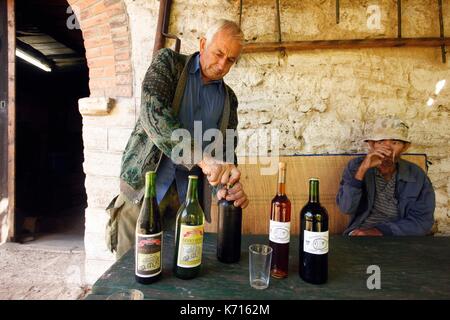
x,y
384,194
180,92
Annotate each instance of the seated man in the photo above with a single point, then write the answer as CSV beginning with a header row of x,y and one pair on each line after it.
x,y
384,194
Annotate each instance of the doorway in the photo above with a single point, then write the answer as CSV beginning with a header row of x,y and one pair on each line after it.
x,y
51,76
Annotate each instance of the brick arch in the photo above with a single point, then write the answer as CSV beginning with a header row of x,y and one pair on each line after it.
x,y
107,40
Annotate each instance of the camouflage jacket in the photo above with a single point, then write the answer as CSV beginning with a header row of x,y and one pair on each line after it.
x,y
162,93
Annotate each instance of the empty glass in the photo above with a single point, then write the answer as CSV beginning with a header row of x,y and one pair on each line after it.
x,y
260,258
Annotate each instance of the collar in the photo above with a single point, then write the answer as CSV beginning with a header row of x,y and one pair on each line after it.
x,y
404,172
195,68
379,175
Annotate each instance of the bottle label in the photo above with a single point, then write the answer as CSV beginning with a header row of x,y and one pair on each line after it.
x,y
190,246
279,232
315,242
148,254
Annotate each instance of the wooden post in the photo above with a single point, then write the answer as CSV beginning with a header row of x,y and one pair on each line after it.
x,y
3,120
11,119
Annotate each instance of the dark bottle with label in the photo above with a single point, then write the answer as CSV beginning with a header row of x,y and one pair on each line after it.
x,y
280,226
229,232
149,236
313,246
189,234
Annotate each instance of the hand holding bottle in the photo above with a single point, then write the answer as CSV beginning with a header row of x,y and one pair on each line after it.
x,y
236,194
218,171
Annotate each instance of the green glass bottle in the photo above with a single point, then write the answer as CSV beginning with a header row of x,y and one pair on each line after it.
x,y
313,246
149,236
189,234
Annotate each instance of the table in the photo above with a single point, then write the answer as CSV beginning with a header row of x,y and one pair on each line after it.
x,y
410,268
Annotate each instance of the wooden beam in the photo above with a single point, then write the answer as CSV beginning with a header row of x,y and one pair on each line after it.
x,y
11,121
345,44
3,120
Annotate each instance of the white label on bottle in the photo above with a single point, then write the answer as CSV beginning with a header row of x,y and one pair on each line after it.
x,y
279,232
190,246
148,254
315,242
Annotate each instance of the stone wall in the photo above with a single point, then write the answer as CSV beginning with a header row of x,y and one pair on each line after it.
x,y
321,100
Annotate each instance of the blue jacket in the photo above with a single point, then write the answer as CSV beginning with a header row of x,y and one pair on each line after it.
x,y
413,190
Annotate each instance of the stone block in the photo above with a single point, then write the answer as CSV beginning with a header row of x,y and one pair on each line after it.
x,y
95,138
101,190
98,106
118,138
95,246
102,163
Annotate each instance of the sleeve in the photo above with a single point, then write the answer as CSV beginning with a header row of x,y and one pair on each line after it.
x,y
350,189
419,217
156,113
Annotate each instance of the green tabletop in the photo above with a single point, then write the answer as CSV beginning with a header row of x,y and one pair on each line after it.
x,y
410,267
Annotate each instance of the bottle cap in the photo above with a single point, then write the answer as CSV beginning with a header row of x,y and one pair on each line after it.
x,y
193,177
313,179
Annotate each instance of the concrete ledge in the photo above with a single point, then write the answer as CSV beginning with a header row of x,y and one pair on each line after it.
x,y
95,106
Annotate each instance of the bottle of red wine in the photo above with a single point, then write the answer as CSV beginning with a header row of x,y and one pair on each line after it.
x,y
280,227
149,236
189,234
229,232
313,247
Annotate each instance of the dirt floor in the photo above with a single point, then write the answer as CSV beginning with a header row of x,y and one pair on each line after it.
x,y
49,268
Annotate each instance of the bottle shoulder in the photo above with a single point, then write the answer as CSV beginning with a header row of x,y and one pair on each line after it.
x,y
313,208
191,214
281,199
228,206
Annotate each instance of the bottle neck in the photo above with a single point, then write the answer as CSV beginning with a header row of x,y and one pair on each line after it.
x,y
150,185
314,191
281,189
192,193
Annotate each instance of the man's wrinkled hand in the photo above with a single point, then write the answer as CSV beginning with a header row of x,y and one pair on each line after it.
x,y
366,232
236,194
219,172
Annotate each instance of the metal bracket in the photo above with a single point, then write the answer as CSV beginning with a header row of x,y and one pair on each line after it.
x,y
338,12
441,28
399,19
278,20
277,17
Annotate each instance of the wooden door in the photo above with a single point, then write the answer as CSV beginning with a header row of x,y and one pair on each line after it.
x,y
3,111
6,123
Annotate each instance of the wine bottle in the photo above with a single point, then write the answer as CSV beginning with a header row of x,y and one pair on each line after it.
x,y
229,231
280,226
189,234
313,247
149,236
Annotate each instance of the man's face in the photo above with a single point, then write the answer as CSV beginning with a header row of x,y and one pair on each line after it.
x,y
217,58
394,148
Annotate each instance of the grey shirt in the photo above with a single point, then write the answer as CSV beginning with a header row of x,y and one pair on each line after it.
x,y
385,206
